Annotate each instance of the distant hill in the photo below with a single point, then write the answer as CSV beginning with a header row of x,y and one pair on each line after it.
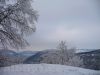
x,y
27,53
9,57
91,59
39,56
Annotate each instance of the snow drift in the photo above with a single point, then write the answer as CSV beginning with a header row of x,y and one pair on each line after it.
x,y
44,69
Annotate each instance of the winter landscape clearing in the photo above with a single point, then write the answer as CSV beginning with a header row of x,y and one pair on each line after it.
x,y
44,69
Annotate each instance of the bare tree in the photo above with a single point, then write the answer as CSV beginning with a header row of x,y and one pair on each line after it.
x,y
16,20
64,55
68,56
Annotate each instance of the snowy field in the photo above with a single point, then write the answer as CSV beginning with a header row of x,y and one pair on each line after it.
x,y
45,69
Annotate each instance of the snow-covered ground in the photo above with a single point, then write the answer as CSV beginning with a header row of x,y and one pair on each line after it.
x,y
45,69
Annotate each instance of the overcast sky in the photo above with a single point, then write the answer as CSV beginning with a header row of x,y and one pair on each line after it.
x,y
76,21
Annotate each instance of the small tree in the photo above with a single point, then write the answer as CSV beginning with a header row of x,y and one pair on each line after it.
x,y
68,56
64,53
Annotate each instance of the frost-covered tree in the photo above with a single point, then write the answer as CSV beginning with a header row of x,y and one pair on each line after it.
x,y
68,56
63,52
62,55
17,18
76,61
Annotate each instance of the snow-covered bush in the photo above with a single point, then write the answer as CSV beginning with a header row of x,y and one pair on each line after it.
x,y
76,61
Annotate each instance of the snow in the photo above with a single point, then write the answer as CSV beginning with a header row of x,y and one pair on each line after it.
x,y
45,69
